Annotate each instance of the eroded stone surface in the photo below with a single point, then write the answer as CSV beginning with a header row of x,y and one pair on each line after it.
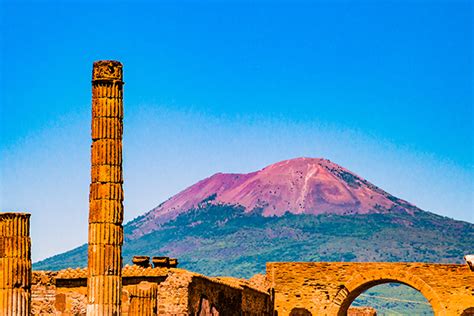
x,y
361,311
106,193
329,288
15,264
151,291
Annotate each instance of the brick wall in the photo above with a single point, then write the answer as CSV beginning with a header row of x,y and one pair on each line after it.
x,y
330,288
179,292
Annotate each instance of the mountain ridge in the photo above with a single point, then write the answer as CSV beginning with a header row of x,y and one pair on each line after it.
x,y
300,185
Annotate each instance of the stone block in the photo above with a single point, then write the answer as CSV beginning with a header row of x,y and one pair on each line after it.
x,y
107,107
105,211
106,152
104,260
106,174
106,191
142,261
106,233
107,128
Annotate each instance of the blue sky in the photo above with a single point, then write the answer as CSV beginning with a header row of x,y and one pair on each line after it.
x,y
383,88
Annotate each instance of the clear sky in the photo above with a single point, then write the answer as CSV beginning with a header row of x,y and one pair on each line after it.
x,y
384,89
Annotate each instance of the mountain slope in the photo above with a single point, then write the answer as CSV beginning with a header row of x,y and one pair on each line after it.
x,y
297,210
300,186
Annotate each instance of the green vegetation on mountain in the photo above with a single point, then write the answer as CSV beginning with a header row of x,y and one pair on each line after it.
x,y
225,240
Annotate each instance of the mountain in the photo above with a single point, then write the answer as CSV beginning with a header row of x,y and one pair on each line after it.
x,y
299,186
296,210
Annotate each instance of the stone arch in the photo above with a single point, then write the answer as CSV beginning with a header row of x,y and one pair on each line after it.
x,y
362,282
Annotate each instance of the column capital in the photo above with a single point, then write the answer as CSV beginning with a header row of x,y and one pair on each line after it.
x,y
107,71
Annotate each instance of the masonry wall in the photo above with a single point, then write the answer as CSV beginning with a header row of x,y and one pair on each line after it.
x,y
69,297
208,296
256,303
173,293
179,292
43,293
330,288
187,293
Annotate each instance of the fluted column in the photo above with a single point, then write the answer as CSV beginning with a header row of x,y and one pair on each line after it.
x,y
104,282
143,299
15,264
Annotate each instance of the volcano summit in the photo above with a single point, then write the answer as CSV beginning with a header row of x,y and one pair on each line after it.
x,y
310,186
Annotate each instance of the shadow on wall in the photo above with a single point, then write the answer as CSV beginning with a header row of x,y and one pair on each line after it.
x,y
300,312
206,309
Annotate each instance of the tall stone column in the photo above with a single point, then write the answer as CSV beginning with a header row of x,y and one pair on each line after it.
x,y
104,281
15,264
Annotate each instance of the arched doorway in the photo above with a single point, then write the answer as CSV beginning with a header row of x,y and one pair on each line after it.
x,y
393,299
361,283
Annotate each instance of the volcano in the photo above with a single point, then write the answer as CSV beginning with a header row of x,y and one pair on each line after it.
x,y
300,186
303,209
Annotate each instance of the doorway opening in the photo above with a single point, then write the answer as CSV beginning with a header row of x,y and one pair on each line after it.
x,y
392,299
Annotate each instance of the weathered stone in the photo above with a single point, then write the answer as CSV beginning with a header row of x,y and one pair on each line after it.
x,y
106,152
143,299
142,261
361,311
104,285
145,291
173,262
106,174
329,288
15,264
161,262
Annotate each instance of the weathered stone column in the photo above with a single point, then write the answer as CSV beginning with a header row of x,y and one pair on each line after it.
x,y
143,299
104,282
15,264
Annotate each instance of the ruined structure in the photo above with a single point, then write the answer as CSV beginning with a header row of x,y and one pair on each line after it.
x,y
293,288
152,291
15,264
106,193
329,288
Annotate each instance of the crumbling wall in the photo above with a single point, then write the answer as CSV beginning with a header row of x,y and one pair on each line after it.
x,y
71,300
43,293
173,293
328,288
69,296
256,303
170,291
224,299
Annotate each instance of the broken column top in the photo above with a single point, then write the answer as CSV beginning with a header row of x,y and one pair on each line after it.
x,y
107,70
14,214
142,261
14,224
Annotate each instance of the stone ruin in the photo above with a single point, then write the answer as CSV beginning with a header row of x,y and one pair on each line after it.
x,y
15,264
159,287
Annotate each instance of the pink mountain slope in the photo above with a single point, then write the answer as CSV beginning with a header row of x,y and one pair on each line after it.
x,y
300,186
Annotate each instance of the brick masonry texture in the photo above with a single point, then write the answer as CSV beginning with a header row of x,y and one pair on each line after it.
x,y
328,288
151,291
